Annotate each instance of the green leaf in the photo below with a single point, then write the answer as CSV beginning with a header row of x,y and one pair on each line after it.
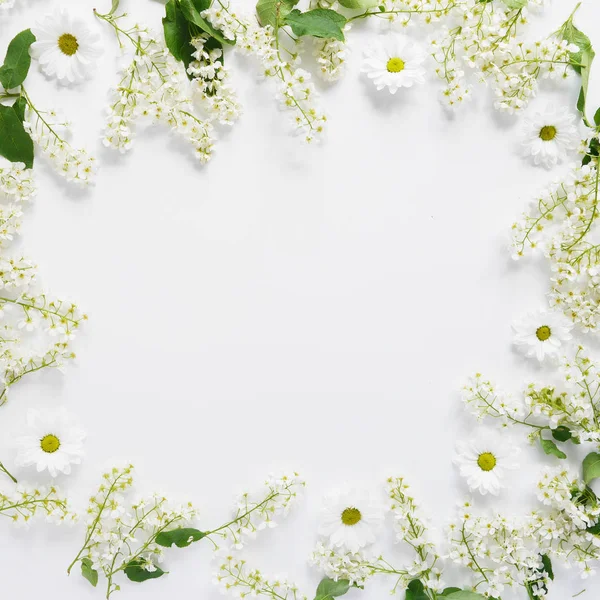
x,y
562,433
180,537
319,23
90,574
191,10
416,591
449,591
581,60
17,62
329,588
19,107
597,118
177,33
547,563
515,4
591,467
550,447
135,571
359,4
15,143
594,529
273,12
114,7
465,595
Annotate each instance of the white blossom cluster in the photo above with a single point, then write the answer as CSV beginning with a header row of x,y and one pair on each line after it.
x,y
50,133
153,85
21,504
236,578
121,534
36,330
6,5
561,224
211,82
573,404
483,37
412,529
330,54
339,563
574,510
257,511
254,513
16,187
295,91
500,552
411,12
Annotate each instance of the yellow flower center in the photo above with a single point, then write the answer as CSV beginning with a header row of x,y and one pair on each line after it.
x,y
351,516
68,44
395,65
543,333
486,461
50,443
548,133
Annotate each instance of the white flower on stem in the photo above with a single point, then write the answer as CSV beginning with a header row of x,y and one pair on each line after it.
x,y
394,62
53,442
549,136
484,460
65,47
542,334
350,519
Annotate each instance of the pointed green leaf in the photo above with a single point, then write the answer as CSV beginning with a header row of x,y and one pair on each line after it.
x,y
450,590
114,7
273,12
597,118
547,563
17,62
15,143
359,4
515,4
90,574
581,60
191,9
562,433
465,595
19,107
594,529
591,467
137,572
550,447
416,591
177,33
319,23
180,537
329,588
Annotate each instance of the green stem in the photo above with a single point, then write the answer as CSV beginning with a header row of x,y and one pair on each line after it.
x,y
6,472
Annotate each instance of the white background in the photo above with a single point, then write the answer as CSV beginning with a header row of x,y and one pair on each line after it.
x,y
282,307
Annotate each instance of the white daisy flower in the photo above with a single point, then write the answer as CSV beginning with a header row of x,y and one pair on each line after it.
x,y
394,62
350,519
542,334
53,441
484,460
549,136
65,47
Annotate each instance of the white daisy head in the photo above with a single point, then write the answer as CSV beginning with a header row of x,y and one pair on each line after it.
x,y
548,136
542,334
350,519
65,47
53,441
484,461
394,62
